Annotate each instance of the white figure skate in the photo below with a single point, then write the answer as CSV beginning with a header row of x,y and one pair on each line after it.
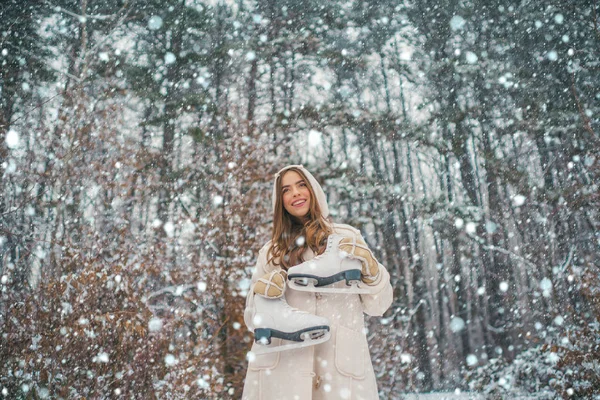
x,y
325,270
275,318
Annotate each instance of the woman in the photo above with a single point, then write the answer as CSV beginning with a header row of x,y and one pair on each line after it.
x,y
339,368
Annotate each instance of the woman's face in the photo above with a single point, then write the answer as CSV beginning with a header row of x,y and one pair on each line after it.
x,y
296,195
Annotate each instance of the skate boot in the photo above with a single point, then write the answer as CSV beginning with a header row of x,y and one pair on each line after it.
x,y
275,318
323,272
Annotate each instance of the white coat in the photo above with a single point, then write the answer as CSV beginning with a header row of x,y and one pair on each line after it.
x,y
340,368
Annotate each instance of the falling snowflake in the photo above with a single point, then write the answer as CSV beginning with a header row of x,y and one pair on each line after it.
x,y
471,57
457,23
170,360
102,357
314,138
546,286
472,360
519,200
553,358
217,200
471,227
12,139
203,383
559,18
169,228
170,58
457,324
155,324
155,22
491,227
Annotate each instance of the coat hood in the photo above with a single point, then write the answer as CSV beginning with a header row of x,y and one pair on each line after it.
x,y
319,193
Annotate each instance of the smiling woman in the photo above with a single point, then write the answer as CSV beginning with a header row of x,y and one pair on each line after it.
x,y
310,338
296,195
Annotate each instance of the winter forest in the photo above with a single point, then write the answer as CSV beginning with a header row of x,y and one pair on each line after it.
x,y
138,143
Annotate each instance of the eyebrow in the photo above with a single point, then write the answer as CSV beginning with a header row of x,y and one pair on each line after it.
x,y
284,186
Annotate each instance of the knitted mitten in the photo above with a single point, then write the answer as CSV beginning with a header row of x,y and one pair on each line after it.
x,y
359,250
271,285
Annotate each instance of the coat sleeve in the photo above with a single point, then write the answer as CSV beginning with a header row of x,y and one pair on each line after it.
x,y
259,270
377,303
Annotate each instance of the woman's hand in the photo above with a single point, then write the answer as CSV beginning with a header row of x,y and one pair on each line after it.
x,y
358,249
271,285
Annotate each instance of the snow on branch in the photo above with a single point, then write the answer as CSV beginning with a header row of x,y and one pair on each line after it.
x,y
84,18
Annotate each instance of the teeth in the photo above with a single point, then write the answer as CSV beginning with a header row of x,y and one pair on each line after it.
x,y
298,202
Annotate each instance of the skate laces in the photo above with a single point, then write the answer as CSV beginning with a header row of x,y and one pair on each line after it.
x,y
327,249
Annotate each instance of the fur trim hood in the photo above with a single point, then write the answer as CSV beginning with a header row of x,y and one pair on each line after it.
x,y
319,193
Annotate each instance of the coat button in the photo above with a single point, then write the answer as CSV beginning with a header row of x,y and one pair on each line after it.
x,y
317,382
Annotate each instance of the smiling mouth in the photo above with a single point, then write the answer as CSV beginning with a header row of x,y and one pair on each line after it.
x,y
299,203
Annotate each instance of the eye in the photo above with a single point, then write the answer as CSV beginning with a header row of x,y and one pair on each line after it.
x,y
303,184
284,190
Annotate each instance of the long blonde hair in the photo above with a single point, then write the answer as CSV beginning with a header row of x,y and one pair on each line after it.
x,y
287,229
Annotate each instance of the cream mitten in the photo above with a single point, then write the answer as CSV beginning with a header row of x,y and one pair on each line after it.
x,y
359,250
271,285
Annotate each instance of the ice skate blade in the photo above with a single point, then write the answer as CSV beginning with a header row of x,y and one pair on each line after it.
x,y
304,278
264,335
350,289
292,346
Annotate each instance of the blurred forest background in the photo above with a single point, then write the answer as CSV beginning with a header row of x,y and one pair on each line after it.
x,y
138,140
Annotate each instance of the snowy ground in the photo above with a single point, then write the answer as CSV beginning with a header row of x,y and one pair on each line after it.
x,y
443,396
465,396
